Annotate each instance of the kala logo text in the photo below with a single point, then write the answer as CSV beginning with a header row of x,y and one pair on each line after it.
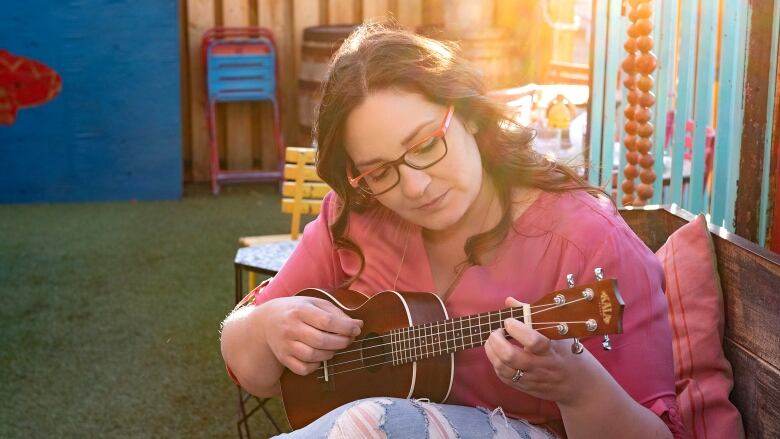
x,y
605,308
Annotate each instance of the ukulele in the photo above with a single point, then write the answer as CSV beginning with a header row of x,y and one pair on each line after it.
x,y
407,345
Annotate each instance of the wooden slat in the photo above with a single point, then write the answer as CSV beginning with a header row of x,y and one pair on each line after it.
x,y
220,112
375,9
756,100
666,25
596,108
280,15
263,147
308,207
292,154
306,13
200,17
308,190
357,7
756,392
507,13
433,12
684,95
341,12
658,111
705,82
752,145
184,89
766,188
309,173
751,288
238,123
735,139
774,181
258,110
614,59
620,123
410,13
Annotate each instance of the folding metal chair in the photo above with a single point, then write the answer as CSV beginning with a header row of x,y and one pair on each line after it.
x,y
240,65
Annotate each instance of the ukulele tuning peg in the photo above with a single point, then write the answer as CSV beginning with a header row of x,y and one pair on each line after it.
x,y
606,343
570,280
576,347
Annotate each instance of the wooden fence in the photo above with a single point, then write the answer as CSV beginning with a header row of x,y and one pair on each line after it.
x,y
716,77
245,129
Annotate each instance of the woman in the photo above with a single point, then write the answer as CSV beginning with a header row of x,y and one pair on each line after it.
x,y
436,189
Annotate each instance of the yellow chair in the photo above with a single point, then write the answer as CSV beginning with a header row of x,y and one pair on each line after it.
x,y
302,194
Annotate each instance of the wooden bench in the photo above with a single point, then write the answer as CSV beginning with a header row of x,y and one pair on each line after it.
x,y
750,278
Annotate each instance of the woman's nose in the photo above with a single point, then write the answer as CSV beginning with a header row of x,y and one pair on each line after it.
x,y
413,181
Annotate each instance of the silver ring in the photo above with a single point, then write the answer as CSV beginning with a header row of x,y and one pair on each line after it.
x,y
519,374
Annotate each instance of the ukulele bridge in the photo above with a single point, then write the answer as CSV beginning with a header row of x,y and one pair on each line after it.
x,y
326,370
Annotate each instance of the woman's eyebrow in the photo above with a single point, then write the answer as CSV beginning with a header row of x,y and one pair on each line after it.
x,y
414,132
404,142
368,163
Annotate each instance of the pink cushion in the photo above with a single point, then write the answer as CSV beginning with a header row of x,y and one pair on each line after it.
x,y
703,376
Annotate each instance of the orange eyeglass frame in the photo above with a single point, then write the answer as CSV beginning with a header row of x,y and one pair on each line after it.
x,y
440,132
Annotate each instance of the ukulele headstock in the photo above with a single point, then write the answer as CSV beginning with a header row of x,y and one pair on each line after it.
x,y
580,311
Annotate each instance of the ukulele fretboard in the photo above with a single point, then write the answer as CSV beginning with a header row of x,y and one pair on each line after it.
x,y
446,337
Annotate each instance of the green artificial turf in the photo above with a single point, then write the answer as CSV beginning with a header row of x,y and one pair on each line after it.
x,y
110,314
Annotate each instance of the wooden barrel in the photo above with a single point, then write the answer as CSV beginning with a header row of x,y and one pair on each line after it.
x,y
318,46
493,51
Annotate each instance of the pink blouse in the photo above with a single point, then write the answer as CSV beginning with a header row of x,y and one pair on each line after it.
x,y
558,234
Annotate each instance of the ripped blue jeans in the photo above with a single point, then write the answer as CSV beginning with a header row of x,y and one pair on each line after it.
x,y
394,418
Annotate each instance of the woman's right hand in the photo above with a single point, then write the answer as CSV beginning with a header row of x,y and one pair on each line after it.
x,y
304,331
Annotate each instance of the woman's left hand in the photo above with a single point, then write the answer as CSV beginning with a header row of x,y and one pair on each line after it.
x,y
548,369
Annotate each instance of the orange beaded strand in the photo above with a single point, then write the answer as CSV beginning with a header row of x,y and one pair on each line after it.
x,y
639,65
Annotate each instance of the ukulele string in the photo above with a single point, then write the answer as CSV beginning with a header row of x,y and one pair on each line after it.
x,y
425,352
393,361
548,306
426,345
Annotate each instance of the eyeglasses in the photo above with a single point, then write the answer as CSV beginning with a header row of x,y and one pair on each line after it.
x,y
421,155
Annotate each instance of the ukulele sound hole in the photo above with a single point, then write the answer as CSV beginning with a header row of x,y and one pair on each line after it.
x,y
374,352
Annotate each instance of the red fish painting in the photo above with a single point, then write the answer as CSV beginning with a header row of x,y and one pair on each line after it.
x,y
24,82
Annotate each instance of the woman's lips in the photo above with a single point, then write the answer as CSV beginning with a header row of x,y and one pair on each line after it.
x,y
433,204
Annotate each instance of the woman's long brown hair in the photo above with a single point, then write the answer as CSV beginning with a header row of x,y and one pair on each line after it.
x,y
380,57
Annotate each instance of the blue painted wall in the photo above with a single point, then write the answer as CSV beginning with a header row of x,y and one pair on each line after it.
x,y
114,132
